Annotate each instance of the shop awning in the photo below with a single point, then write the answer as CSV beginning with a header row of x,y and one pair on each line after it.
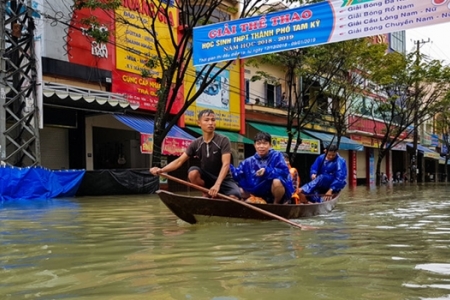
x,y
279,135
326,138
233,136
442,161
175,143
399,147
84,98
426,152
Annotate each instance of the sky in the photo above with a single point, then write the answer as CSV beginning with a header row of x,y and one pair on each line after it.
x,y
439,45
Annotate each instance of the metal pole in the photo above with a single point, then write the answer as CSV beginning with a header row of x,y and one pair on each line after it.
x,y
19,133
414,159
416,107
2,80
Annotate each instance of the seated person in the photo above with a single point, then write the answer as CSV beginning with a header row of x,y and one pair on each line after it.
x,y
297,197
214,152
265,174
328,175
384,178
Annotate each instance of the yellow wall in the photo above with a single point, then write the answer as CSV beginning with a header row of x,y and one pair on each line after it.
x,y
129,36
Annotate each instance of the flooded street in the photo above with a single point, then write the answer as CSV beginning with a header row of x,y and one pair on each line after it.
x,y
387,243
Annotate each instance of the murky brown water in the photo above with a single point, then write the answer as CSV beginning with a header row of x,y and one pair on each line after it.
x,y
388,243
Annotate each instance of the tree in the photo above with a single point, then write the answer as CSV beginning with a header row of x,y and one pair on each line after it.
x,y
172,64
443,128
346,65
323,83
410,90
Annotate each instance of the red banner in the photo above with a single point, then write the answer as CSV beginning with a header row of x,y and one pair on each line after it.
x,y
367,141
138,90
171,145
142,92
82,49
352,167
370,126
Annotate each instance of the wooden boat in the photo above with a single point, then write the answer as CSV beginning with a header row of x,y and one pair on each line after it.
x,y
193,209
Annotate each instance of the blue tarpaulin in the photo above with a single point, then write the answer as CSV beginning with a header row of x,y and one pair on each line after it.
x,y
38,183
420,148
426,151
146,125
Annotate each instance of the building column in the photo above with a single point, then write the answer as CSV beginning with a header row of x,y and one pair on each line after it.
x,y
370,166
388,159
89,145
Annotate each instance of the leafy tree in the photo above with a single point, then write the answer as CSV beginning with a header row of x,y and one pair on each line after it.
x,y
318,74
345,65
410,92
443,128
175,63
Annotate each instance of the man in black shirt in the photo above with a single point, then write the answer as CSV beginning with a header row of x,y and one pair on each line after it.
x,y
214,152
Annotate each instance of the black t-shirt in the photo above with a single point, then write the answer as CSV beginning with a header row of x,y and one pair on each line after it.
x,y
210,154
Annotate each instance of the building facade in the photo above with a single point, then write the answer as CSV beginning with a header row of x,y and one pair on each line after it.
x,y
98,108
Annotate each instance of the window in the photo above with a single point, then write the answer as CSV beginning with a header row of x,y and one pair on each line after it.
x,y
270,95
327,105
305,102
357,79
398,41
371,87
322,103
247,91
363,105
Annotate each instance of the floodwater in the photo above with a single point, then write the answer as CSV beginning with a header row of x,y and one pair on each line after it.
x,y
386,243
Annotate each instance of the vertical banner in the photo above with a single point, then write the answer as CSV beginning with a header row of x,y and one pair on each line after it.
x,y
135,45
320,23
371,168
352,168
162,179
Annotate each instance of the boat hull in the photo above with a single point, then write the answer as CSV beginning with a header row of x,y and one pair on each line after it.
x,y
192,209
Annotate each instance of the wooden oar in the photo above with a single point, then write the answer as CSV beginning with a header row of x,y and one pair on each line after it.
x,y
205,190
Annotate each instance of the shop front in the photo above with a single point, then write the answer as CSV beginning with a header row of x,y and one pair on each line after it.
x,y
347,148
306,153
368,159
427,166
400,164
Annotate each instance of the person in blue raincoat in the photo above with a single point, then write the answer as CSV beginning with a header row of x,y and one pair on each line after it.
x,y
265,174
328,175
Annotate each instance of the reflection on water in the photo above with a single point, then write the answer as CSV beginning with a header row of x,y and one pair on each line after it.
x,y
388,243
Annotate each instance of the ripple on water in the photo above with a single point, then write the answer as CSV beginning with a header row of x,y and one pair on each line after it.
x,y
382,244
443,269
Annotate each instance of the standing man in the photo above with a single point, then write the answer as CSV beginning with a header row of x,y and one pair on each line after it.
x,y
265,174
328,174
214,152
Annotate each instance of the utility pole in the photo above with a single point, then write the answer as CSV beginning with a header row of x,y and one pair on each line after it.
x,y
416,107
19,127
2,87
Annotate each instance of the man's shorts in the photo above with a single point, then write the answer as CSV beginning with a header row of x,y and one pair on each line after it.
x,y
228,186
